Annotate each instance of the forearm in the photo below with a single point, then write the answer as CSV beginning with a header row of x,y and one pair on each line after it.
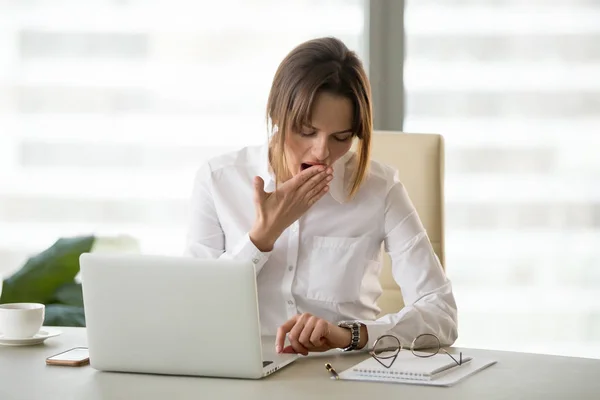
x,y
264,234
263,239
434,314
243,250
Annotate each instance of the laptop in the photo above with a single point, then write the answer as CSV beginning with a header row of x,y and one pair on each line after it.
x,y
175,316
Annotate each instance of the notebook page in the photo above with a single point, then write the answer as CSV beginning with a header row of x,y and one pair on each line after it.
x,y
408,366
447,378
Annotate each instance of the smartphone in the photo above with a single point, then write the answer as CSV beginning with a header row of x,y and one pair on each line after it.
x,y
75,357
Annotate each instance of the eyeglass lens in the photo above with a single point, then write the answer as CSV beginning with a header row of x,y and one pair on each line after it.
x,y
386,346
425,345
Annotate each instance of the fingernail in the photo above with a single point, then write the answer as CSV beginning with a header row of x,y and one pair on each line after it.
x,y
278,348
329,177
329,171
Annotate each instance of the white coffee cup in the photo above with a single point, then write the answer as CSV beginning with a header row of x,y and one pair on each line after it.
x,y
21,320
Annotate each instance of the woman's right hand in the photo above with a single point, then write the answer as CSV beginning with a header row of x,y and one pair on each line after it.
x,y
277,210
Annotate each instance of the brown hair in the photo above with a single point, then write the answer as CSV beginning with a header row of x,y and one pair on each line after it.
x,y
318,65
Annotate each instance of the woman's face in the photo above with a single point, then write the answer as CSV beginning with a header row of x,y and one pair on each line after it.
x,y
328,137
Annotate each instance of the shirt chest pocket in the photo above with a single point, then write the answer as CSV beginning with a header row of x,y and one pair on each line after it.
x,y
337,266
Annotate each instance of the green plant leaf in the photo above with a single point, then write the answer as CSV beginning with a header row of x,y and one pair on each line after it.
x,y
41,276
69,294
63,315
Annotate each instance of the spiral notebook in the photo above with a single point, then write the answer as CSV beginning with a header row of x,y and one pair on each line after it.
x,y
439,370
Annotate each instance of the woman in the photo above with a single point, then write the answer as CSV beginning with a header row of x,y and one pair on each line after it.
x,y
319,215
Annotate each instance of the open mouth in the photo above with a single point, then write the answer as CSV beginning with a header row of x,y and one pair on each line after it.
x,y
304,165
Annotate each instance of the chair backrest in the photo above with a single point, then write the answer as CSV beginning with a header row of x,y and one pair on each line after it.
x,y
419,159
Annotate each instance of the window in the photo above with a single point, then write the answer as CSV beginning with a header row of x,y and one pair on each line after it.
x,y
514,86
107,108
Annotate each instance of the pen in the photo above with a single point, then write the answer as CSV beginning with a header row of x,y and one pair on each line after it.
x,y
329,368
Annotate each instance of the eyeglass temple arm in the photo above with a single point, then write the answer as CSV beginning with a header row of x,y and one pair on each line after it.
x,y
381,362
459,361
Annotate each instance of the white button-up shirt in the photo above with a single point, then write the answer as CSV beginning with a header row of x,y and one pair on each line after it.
x,y
328,262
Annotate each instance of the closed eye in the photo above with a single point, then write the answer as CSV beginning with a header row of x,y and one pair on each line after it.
x,y
343,138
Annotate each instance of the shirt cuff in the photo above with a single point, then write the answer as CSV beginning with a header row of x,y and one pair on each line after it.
x,y
375,329
246,250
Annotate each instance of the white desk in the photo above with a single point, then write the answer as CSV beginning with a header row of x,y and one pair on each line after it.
x,y
24,376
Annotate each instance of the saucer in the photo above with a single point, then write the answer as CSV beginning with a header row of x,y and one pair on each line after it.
x,y
37,339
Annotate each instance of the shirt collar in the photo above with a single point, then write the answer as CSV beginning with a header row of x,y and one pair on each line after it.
x,y
337,188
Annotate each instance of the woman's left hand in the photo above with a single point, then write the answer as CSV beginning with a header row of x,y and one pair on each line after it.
x,y
309,333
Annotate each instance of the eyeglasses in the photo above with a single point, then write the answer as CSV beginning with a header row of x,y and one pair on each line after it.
x,y
388,347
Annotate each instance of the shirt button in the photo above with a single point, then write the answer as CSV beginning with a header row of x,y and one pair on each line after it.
x,y
294,228
290,268
255,260
291,303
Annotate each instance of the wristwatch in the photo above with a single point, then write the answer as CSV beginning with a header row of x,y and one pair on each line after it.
x,y
354,327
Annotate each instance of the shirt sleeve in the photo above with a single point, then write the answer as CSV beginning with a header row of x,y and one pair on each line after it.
x,y
430,306
205,237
